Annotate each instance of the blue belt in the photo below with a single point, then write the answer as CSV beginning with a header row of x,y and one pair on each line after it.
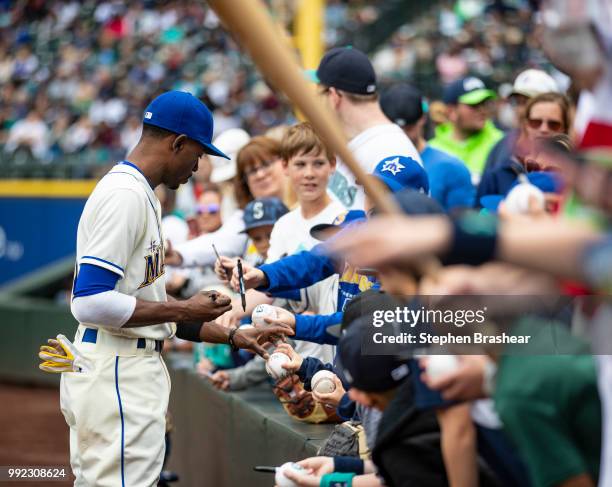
x,y
91,336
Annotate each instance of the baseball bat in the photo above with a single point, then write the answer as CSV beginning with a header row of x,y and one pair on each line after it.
x,y
249,21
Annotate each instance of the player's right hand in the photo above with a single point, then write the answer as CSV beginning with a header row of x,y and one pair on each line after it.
x,y
224,267
255,339
207,305
253,277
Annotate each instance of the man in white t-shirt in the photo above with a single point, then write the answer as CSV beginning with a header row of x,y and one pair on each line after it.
x,y
348,82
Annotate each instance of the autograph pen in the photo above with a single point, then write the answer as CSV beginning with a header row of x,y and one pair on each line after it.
x,y
227,272
241,282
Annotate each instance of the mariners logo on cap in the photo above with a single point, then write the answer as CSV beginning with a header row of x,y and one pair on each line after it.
x,y
393,166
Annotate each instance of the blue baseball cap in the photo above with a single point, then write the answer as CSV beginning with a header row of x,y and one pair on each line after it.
x,y
261,212
469,91
182,113
401,172
340,222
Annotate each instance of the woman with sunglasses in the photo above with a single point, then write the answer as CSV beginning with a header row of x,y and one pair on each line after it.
x,y
545,116
259,174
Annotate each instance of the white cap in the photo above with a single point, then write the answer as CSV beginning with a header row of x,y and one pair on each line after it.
x,y
229,142
534,82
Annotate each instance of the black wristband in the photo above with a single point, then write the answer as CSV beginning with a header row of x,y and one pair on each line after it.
x,y
348,464
474,240
230,339
189,331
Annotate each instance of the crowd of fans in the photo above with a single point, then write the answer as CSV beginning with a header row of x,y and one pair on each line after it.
x,y
497,195
75,76
521,211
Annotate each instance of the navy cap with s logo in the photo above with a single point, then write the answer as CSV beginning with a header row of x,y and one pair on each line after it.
x,y
263,211
182,113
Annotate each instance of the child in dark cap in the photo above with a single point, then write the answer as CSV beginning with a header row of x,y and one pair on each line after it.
x,y
260,215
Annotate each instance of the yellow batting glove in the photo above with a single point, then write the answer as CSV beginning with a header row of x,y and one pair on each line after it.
x,y
61,355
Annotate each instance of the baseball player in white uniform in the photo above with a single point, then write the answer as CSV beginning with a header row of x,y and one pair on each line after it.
x,y
116,407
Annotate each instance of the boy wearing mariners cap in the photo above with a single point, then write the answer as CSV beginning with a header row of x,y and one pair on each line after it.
x,y
470,134
259,217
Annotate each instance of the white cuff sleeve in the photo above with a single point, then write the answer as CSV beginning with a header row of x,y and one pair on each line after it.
x,y
111,308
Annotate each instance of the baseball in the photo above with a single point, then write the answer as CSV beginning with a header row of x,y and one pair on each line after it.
x,y
274,365
323,382
517,200
279,477
440,365
262,311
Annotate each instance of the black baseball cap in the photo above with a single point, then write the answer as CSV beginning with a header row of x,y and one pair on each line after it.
x,y
468,91
369,373
263,211
347,69
402,104
364,304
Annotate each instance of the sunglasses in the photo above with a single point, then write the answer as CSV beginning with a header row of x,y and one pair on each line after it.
x,y
531,166
211,209
536,123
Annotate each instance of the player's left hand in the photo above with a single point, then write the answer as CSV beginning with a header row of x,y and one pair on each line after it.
x,y
61,355
254,339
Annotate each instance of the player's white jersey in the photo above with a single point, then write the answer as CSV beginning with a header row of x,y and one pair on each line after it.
x,y
120,230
